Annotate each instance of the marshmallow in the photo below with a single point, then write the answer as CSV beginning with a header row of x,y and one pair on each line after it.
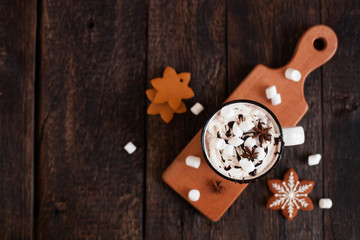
x,y
215,155
314,159
235,141
194,195
246,126
227,112
261,153
292,74
197,108
270,92
192,161
246,165
259,114
250,142
237,130
294,136
276,100
325,203
130,148
218,143
229,150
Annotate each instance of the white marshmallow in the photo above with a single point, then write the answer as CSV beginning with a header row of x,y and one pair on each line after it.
x,y
270,92
294,136
246,165
130,148
246,126
314,159
197,108
193,161
235,141
194,195
259,114
276,100
261,153
325,203
265,121
218,143
227,112
250,142
215,155
229,150
292,74
237,130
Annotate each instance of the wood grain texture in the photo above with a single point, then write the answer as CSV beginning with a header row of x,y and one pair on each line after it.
x,y
91,103
189,36
341,122
94,63
267,32
17,75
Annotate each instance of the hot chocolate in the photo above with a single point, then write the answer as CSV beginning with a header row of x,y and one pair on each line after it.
x,y
242,141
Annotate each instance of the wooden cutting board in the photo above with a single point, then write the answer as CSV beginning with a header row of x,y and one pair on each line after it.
x,y
306,58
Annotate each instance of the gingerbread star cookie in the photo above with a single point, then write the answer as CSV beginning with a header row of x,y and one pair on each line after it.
x,y
172,88
166,112
290,195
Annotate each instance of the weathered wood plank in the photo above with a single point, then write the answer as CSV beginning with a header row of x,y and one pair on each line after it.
x,y
341,122
267,32
17,75
92,85
191,37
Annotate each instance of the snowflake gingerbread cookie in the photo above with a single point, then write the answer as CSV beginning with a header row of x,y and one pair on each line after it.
x,y
290,195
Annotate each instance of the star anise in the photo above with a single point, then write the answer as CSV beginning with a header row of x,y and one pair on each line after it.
x,y
217,186
249,154
262,133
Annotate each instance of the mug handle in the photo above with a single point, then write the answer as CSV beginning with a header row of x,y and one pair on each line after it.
x,y
293,136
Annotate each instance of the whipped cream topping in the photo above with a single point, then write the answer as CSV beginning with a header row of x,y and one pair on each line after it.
x,y
233,146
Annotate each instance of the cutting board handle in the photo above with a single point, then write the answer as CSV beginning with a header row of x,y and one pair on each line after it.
x,y
315,47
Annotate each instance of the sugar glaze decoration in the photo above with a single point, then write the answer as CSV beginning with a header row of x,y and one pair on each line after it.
x,y
290,195
238,140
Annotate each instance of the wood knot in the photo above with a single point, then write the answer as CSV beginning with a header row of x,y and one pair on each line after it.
x,y
60,206
91,25
345,105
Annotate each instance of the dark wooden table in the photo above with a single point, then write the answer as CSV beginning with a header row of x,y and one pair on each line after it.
x,y
73,80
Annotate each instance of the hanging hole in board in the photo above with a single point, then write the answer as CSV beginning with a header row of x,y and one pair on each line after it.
x,y
319,44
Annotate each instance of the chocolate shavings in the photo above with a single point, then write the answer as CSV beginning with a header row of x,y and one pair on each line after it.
x,y
277,140
253,173
238,156
228,133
